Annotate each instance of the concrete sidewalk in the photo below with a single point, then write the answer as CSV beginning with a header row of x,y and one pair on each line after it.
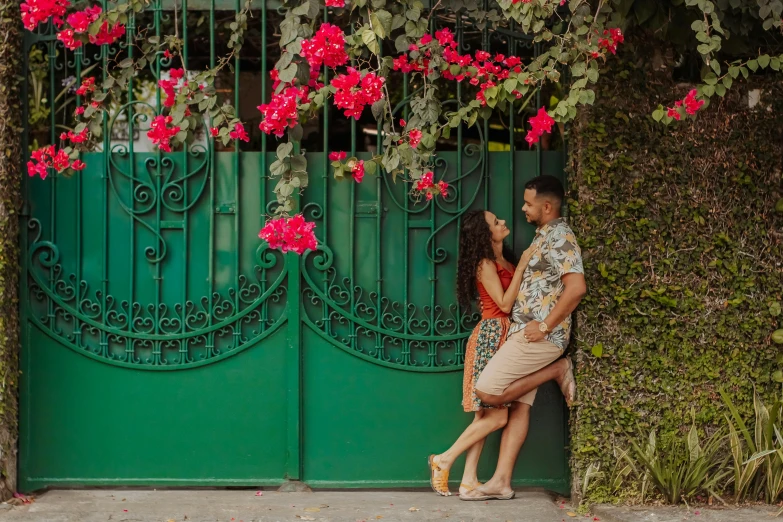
x,y
210,505
245,506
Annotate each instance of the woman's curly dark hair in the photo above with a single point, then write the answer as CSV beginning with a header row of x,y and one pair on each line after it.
x,y
475,245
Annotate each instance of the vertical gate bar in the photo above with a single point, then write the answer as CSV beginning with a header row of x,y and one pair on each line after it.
x,y
511,140
132,174
263,174
53,183
186,213
79,179
212,174
105,205
406,344
379,212
459,30
433,269
536,52
294,361
158,176
485,144
236,185
351,225
325,214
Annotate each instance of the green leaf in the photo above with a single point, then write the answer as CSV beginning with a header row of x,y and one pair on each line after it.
x,y
598,350
288,74
763,60
382,23
284,150
370,167
734,71
592,75
720,90
727,82
414,13
378,108
715,64
658,114
127,62
710,78
368,37
578,69
397,22
774,63
753,65
708,90
510,85
401,43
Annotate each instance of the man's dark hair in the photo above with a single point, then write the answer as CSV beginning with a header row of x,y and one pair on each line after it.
x,y
548,186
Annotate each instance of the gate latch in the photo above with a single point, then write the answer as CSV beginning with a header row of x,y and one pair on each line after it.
x,y
226,208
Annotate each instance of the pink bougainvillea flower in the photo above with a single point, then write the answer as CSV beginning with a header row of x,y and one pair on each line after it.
x,y
612,37
337,156
160,133
49,157
239,133
214,131
414,137
290,234
427,38
692,105
335,3
79,111
80,20
402,122
108,35
354,91
80,137
326,46
673,113
68,39
540,123
87,86
35,12
358,171
281,112
444,36
444,188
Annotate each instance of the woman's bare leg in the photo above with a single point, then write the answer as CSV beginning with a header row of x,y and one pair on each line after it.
x,y
470,474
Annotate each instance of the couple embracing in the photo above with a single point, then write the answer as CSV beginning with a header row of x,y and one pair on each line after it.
x,y
508,356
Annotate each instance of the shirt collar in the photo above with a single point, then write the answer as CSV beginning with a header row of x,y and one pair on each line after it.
x,y
546,228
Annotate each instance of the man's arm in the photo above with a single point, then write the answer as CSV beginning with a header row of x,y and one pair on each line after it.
x,y
575,289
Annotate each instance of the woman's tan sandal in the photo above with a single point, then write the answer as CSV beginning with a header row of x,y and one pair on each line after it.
x,y
439,483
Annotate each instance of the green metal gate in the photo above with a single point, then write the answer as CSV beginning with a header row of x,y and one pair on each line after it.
x,y
165,345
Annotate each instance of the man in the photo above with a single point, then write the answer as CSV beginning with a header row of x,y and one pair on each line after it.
x,y
553,286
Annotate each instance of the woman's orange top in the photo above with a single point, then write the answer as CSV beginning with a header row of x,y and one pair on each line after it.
x,y
489,308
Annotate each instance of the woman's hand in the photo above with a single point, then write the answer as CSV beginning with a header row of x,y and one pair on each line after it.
x,y
527,255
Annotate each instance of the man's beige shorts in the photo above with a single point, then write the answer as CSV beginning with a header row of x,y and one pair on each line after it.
x,y
516,358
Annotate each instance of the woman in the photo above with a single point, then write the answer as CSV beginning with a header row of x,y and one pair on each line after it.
x,y
484,270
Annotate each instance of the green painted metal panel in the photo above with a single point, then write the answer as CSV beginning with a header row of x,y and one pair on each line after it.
x,y
164,344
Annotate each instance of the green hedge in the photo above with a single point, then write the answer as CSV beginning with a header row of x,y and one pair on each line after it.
x,y
10,175
683,257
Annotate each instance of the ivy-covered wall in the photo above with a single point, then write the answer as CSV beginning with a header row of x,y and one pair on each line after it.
x,y
683,256
11,153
